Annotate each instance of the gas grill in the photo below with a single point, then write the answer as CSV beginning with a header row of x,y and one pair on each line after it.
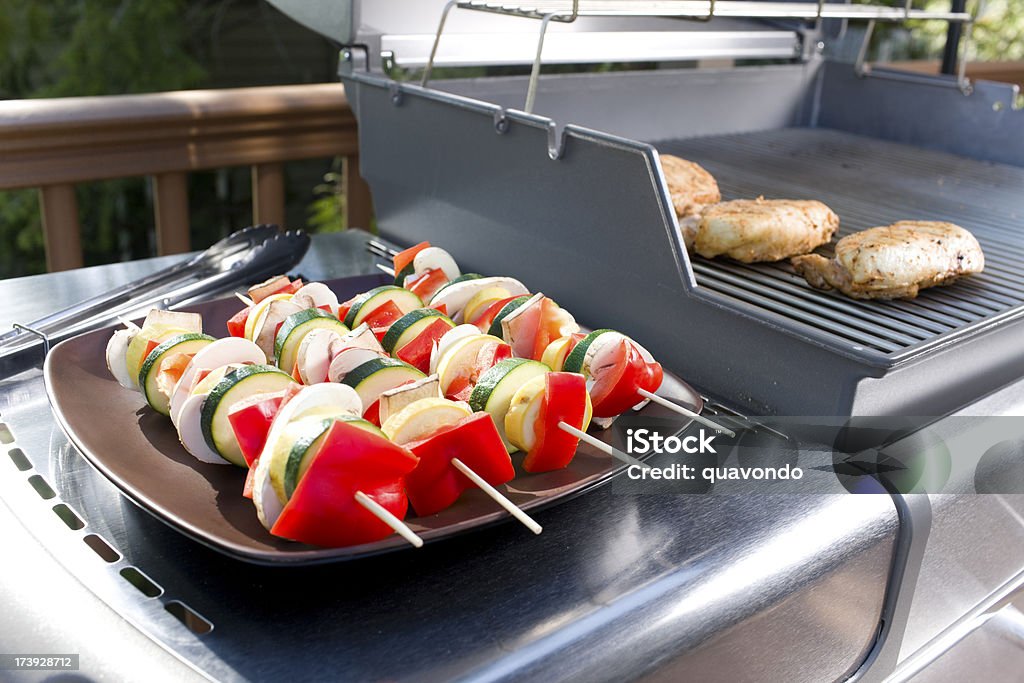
x,y
555,179
575,188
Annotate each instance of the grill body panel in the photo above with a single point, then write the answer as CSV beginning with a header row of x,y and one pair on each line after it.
x,y
585,213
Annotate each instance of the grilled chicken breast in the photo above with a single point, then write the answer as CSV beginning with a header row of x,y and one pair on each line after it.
x,y
895,261
753,230
692,189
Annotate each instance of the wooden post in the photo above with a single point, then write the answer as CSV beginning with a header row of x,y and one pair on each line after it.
x,y
358,203
61,231
170,191
268,194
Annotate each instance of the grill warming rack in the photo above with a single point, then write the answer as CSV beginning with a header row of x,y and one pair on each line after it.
x,y
568,11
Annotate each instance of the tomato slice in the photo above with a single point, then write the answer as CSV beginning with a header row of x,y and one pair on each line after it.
x,y
550,326
489,355
417,352
404,258
380,318
251,419
323,509
622,373
427,284
565,400
250,480
435,483
274,285
236,325
171,370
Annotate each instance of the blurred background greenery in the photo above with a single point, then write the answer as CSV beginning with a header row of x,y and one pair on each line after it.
x,y
61,48
105,47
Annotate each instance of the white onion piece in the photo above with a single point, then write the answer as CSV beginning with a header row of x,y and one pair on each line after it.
x,y
447,340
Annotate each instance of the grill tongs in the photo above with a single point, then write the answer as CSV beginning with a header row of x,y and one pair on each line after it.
x,y
247,255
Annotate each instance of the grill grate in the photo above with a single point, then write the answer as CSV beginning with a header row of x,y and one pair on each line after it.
x,y
870,182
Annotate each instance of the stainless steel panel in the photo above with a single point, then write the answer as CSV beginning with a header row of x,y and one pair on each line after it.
x,y
616,587
925,111
664,104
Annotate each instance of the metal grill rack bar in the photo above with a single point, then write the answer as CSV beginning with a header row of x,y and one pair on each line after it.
x,y
870,182
569,10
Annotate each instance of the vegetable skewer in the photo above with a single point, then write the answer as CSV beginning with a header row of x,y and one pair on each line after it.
x,y
686,411
381,513
602,446
496,495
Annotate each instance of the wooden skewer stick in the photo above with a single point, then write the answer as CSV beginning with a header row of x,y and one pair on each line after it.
x,y
501,500
128,323
381,513
602,446
685,411
244,299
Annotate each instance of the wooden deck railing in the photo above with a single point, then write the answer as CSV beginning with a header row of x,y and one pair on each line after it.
x,y
58,143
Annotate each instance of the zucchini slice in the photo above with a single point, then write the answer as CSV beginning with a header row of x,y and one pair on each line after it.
x,y
234,387
409,326
494,391
190,343
574,362
369,302
421,418
506,310
305,448
374,377
295,328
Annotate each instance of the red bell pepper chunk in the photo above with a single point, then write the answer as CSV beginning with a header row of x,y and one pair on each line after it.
x,y
295,374
323,510
404,258
441,307
236,325
372,413
150,345
345,306
417,352
293,287
435,483
427,284
380,318
565,400
616,386
251,419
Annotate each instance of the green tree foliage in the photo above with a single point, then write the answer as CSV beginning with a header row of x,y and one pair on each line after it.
x,y
64,48
998,33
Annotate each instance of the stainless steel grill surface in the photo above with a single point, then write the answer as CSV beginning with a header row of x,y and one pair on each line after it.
x,y
870,182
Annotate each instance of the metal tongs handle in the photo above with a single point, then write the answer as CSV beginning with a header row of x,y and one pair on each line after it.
x,y
244,256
